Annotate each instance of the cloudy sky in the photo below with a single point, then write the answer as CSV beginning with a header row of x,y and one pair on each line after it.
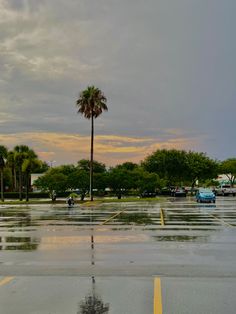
x,y
167,68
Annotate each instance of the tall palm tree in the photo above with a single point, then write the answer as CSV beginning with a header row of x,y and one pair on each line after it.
x,y
3,156
91,104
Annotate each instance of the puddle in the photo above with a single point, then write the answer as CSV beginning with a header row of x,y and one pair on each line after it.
x,y
180,215
22,247
181,238
17,239
93,304
137,218
213,223
184,218
19,243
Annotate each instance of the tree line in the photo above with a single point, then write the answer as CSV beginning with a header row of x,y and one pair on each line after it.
x,y
162,168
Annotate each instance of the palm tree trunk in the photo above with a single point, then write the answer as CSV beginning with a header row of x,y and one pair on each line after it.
x,y
2,186
15,180
20,185
91,159
27,187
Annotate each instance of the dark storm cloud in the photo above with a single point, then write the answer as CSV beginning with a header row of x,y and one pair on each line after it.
x,y
162,65
16,4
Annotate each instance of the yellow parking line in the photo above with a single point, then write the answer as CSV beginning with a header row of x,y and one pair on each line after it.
x,y
5,280
162,217
157,296
113,216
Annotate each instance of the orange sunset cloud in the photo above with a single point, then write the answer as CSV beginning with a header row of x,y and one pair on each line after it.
x,y
110,149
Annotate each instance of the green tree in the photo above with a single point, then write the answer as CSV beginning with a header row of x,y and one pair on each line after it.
x,y
14,161
91,104
3,156
41,168
128,165
147,181
7,177
100,183
11,163
170,165
52,181
79,179
200,167
67,170
22,152
228,167
120,180
179,166
98,167
99,173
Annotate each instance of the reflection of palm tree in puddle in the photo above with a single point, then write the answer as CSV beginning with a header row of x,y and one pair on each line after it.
x,y
93,303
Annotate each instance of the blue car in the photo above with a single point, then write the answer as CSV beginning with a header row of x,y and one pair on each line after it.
x,y
205,196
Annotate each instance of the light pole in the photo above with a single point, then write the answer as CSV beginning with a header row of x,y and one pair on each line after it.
x,y
51,162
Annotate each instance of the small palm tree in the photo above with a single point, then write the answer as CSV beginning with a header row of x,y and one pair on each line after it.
x,y
3,156
91,104
22,152
11,164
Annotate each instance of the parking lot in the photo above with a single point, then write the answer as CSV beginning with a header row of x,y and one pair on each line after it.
x,y
170,256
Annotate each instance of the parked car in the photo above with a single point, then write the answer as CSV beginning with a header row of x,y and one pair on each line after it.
x,y
178,192
205,196
148,194
166,191
225,190
191,190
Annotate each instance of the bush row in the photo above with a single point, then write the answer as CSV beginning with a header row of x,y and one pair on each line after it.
x,y
15,195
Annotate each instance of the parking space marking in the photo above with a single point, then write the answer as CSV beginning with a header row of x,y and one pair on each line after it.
x,y
113,216
222,221
157,302
5,280
162,217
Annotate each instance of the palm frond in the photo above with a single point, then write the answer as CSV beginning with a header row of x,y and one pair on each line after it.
x,y
91,102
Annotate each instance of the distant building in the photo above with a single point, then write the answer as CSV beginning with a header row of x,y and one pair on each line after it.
x,y
34,177
223,179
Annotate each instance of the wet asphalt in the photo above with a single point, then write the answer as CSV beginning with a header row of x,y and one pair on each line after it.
x,y
81,260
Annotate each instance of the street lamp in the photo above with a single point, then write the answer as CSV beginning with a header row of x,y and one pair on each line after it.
x,y
51,162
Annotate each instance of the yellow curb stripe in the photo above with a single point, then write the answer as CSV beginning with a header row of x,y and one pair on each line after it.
x,y
157,302
162,217
5,280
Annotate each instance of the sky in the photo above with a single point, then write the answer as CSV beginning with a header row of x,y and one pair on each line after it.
x,y
167,68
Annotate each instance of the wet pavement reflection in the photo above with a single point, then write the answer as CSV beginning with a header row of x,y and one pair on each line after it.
x,y
31,228
19,243
81,252
181,238
28,224
93,303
